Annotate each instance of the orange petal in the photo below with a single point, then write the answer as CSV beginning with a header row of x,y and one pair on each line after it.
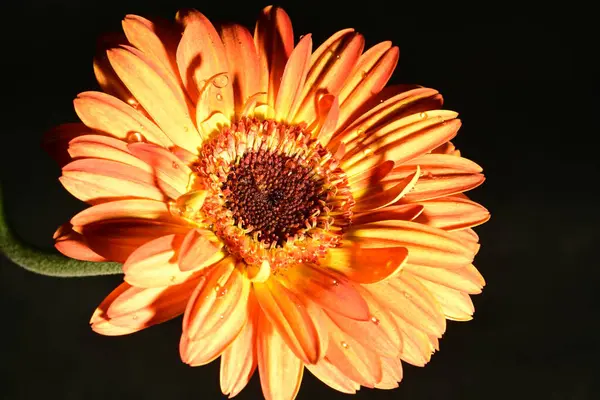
x,y
434,187
405,212
372,71
239,361
333,377
156,41
372,199
292,81
407,298
154,89
385,321
154,264
200,56
366,265
355,361
392,373
104,72
243,64
73,244
401,145
297,320
417,347
455,304
129,309
328,289
384,113
371,176
110,115
106,148
280,370
330,65
452,213
56,141
274,40
171,174
426,245
219,305
466,279
95,180
367,333
328,112
117,240
199,249
123,209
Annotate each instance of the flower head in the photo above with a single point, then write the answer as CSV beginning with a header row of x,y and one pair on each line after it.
x,y
296,212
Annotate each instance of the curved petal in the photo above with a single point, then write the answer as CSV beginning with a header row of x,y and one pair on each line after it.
x,y
112,116
154,264
426,245
274,41
372,71
417,346
330,66
172,175
124,209
219,305
95,180
239,360
466,279
129,309
404,212
56,141
455,304
452,213
297,320
355,361
392,373
104,72
199,249
243,64
157,41
328,289
372,199
72,244
333,377
292,80
366,265
106,148
280,370
200,56
158,94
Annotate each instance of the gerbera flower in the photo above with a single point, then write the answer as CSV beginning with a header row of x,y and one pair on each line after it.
x,y
293,210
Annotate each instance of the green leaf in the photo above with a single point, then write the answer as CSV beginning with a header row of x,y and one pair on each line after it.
x,y
45,262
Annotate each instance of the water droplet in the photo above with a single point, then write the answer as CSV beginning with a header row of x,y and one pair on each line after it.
x,y
335,282
366,151
175,165
422,115
173,278
221,81
375,320
221,316
186,129
135,316
364,74
135,137
360,132
345,345
222,292
133,103
301,36
407,295
217,288
219,96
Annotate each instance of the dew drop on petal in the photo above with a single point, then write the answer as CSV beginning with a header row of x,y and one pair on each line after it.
x,y
407,295
135,137
175,165
173,278
219,96
345,345
375,320
134,316
422,115
221,81
186,129
335,282
221,316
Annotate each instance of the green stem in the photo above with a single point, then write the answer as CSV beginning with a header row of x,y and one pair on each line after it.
x,y
43,262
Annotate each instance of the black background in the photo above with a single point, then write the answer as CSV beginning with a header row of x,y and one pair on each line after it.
x,y
525,85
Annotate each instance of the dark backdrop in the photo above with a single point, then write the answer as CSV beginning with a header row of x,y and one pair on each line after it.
x,y
525,86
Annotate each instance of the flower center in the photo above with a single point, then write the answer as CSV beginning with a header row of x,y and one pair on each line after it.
x,y
274,193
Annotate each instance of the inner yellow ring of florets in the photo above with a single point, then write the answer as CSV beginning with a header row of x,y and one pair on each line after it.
x,y
274,193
